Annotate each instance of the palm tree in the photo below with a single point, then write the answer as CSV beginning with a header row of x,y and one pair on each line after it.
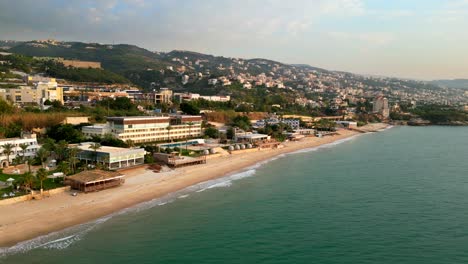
x,y
27,180
24,147
43,154
95,147
61,149
64,167
72,153
168,133
8,150
29,160
41,175
130,143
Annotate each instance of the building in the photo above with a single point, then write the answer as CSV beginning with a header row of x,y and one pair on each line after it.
x,y
111,157
251,137
143,129
29,139
180,97
94,180
37,94
380,106
164,96
212,81
293,123
76,120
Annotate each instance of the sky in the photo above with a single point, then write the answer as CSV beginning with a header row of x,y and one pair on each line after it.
x,y
419,39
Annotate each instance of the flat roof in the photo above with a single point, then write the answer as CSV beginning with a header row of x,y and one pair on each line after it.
x,y
150,117
252,136
107,149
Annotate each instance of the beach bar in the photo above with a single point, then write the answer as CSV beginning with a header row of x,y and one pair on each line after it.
x,y
94,180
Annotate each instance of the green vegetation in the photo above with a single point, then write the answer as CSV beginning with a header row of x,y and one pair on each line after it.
x,y
57,70
67,132
211,132
276,131
242,122
189,108
441,115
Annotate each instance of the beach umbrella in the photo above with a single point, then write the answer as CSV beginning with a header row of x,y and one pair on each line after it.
x,y
10,181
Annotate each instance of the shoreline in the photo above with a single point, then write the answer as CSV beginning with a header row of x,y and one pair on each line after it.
x,y
29,220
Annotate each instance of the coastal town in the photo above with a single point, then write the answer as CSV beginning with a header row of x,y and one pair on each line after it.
x,y
84,146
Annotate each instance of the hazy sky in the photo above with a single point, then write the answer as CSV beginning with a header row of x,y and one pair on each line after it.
x,y
425,39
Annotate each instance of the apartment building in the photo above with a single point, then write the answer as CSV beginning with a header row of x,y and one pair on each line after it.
x,y
142,129
37,94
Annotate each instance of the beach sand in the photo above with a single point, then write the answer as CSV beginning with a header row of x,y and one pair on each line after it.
x,y
27,220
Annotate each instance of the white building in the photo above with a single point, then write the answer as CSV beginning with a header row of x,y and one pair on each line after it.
x,y
28,139
141,129
192,96
380,106
212,81
293,123
111,157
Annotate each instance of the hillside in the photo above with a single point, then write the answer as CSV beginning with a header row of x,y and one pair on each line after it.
x,y
455,83
150,69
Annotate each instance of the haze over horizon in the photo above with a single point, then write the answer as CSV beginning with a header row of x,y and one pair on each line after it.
x,y
410,39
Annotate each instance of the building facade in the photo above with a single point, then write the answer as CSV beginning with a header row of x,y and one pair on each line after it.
x,y
380,106
143,129
29,139
37,94
111,157
293,123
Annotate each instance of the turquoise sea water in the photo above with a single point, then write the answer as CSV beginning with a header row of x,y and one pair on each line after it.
x,y
400,196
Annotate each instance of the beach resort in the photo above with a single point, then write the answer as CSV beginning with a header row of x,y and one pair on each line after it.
x,y
91,198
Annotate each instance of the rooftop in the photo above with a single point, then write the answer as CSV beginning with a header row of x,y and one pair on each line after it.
x,y
91,176
106,149
252,136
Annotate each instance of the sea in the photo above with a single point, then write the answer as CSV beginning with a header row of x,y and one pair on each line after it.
x,y
396,196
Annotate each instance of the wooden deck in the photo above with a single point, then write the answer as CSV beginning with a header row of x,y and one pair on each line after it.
x,y
175,162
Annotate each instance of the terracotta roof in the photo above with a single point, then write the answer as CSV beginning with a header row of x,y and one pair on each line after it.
x,y
94,176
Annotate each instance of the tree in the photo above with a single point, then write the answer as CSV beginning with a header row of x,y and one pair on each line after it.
x,y
23,147
189,109
27,180
189,124
230,133
95,147
61,149
41,175
5,107
66,132
130,143
8,150
212,132
29,160
169,128
64,167
43,154
72,159
242,122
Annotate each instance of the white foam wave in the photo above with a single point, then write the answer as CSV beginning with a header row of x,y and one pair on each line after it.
x,y
64,238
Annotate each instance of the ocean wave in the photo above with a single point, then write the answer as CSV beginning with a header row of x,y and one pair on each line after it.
x,y
63,239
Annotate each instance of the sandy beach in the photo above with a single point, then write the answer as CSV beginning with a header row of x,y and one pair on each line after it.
x,y
27,220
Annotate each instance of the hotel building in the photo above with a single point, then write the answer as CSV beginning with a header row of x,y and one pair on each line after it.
x,y
143,129
29,139
111,157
